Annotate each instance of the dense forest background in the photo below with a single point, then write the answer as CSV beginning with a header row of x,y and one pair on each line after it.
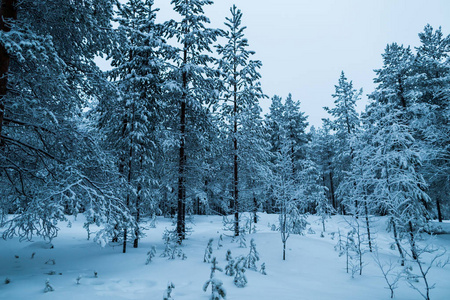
x,y
175,128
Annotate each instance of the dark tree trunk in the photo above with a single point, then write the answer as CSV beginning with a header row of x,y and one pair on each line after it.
x,y
181,224
438,206
8,11
412,241
130,165
401,92
255,210
115,238
368,226
235,164
397,241
138,215
333,199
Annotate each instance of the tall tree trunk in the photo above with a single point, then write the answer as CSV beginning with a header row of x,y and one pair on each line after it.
x,y
255,209
397,241
122,162
130,165
438,206
401,93
366,210
181,224
412,241
138,211
130,171
235,164
333,198
8,11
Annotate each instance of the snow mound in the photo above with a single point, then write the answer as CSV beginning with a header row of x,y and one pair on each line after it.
x,y
438,227
40,245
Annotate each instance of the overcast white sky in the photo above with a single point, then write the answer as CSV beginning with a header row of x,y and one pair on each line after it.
x,y
304,44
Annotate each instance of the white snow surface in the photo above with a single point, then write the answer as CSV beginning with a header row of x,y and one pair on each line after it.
x,y
312,270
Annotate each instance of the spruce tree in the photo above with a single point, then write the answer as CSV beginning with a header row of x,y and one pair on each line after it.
x,y
433,89
345,123
241,93
129,121
398,187
194,81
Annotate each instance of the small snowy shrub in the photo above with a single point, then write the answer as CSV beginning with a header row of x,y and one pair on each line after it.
x,y
443,263
48,286
239,278
50,262
7,280
150,255
95,274
228,256
263,269
252,257
273,227
208,251
241,239
168,292
392,278
219,242
78,279
340,245
171,249
153,221
217,289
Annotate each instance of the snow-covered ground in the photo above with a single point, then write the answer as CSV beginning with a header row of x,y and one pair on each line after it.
x,y
313,268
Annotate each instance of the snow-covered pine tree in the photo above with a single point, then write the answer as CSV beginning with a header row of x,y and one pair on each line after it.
x,y
51,161
194,80
312,191
241,92
286,126
254,158
322,151
274,120
294,125
433,117
358,183
398,186
285,193
345,123
130,120
392,116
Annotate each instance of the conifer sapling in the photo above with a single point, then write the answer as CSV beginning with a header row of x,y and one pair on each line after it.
x,y
168,292
252,257
239,278
150,255
48,286
219,242
217,290
208,251
263,269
